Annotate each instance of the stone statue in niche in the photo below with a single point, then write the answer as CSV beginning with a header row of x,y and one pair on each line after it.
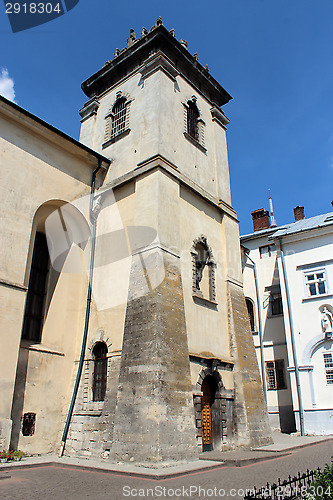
x,y
327,323
199,267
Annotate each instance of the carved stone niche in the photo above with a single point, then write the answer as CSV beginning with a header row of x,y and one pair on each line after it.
x,y
203,270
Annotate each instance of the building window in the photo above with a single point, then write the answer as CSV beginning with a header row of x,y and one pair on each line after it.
x,y
194,125
250,310
328,362
275,375
276,304
117,120
37,289
267,251
192,120
203,269
315,283
28,424
100,351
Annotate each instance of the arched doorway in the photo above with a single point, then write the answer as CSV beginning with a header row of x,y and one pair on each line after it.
x,y
208,388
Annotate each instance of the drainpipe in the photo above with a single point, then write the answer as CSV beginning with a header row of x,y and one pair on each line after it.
x,y
86,323
262,360
292,335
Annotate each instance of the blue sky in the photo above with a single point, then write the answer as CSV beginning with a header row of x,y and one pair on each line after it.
x,y
273,56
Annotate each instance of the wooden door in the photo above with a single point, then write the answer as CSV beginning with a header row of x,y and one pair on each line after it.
x,y
206,416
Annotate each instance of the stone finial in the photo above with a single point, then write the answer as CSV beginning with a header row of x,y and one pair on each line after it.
x,y
183,43
117,52
206,67
131,39
144,32
159,22
196,56
107,63
172,32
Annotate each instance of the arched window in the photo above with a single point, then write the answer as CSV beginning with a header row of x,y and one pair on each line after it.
x,y
192,120
203,268
44,268
100,351
250,310
37,289
118,117
117,120
193,124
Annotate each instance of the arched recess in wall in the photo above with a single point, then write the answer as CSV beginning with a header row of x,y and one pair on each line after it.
x,y
59,234
203,269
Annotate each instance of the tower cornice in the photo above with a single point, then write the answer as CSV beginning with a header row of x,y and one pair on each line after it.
x,y
133,58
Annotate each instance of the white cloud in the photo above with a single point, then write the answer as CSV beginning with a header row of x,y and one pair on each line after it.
x,y
7,85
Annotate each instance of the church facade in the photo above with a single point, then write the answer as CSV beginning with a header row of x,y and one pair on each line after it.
x,y
126,249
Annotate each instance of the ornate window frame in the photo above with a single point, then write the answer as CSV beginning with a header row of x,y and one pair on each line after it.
x,y
211,266
111,133
199,142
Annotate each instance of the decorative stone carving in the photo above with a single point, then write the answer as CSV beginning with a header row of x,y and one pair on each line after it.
x,y
172,32
199,265
206,67
117,52
183,43
144,32
196,56
327,323
132,38
159,22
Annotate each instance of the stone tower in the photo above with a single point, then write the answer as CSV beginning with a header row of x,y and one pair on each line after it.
x,y
182,374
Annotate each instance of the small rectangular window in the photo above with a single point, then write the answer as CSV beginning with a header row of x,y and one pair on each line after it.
x,y
275,375
267,251
28,424
276,305
315,283
328,362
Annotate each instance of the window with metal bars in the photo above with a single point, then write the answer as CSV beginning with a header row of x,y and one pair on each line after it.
x,y
328,362
192,120
275,375
117,120
37,289
118,117
28,424
100,351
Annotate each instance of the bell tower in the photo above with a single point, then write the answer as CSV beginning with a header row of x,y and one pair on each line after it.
x,y
186,378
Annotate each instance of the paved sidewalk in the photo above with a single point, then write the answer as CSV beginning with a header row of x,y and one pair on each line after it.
x,y
283,445
41,479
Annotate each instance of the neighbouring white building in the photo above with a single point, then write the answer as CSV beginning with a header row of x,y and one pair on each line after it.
x,y
288,284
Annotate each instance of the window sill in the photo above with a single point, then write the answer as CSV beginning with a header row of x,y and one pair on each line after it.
x,y
31,345
195,143
207,302
272,316
116,138
316,297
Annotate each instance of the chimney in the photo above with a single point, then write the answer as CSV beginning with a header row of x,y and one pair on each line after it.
x,y
299,213
260,219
